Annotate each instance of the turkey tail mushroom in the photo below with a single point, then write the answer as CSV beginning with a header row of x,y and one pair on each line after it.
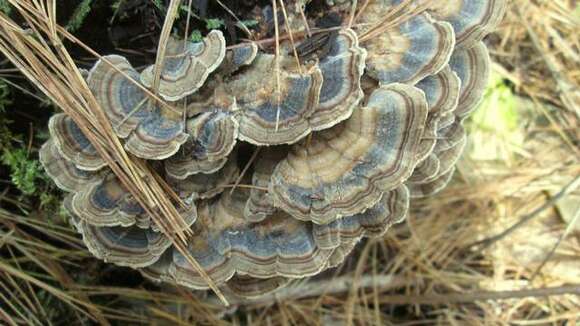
x,y
72,144
473,68
345,170
270,117
472,20
124,246
374,222
408,51
225,245
187,65
63,172
151,131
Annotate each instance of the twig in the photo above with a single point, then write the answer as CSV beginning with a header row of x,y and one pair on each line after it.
x,y
277,62
485,243
245,170
571,226
331,286
162,46
240,23
290,34
436,299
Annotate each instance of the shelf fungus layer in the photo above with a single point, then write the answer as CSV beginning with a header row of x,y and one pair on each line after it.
x,y
284,155
473,68
375,221
70,141
345,170
212,137
442,92
273,109
406,50
342,68
63,172
124,246
187,65
151,130
472,20
225,245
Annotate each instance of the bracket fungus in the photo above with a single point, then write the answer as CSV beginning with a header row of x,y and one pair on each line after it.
x,y
150,130
212,137
187,65
283,109
345,170
405,50
283,163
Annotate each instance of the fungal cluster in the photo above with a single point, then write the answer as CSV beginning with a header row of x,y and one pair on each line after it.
x,y
284,162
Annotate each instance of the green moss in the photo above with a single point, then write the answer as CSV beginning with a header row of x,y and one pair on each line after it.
x,y
24,171
79,15
5,7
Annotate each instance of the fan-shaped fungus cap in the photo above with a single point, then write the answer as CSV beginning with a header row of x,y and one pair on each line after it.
x,y
374,222
407,51
151,131
421,190
450,135
72,143
449,156
132,246
225,245
428,169
187,65
472,20
212,138
442,93
269,117
105,202
64,173
238,57
345,170
204,186
249,287
432,175
473,68
260,205
342,68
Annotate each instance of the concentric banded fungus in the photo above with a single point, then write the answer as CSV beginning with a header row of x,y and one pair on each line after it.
x,y
65,174
363,128
407,51
473,68
443,160
442,93
269,117
133,247
472,20
249,287
373,222
105,202
204,186
238,57
151,131
187,65
344,170
342,69
421,190
225,246
260,204
212,138
73,144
